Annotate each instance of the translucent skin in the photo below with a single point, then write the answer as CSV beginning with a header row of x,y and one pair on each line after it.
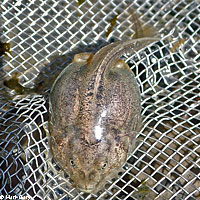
x,y
95,115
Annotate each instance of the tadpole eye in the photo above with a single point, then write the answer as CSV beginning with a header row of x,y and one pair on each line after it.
x,y
72,163
104,166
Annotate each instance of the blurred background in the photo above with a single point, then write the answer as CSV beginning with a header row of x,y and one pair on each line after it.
x,y
39,38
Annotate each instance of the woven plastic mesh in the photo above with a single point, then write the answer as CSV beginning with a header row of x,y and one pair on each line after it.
x,y
44,36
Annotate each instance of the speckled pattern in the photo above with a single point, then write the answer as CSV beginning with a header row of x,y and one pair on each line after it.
x,y
95,115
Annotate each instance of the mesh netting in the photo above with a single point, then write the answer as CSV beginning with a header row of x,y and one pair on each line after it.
x,y
44,36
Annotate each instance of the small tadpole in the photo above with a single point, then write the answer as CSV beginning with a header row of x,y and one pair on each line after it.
x,y
112,24
13,83
80,2
4,48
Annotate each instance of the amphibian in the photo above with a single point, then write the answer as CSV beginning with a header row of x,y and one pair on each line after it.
x,y
95,115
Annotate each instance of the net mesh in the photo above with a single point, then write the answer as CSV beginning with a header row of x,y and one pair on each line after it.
x,y
44,36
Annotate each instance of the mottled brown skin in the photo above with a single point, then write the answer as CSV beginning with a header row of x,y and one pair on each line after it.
x,y
95,115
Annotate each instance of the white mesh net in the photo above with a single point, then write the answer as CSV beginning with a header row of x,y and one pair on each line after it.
x,y
44,36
